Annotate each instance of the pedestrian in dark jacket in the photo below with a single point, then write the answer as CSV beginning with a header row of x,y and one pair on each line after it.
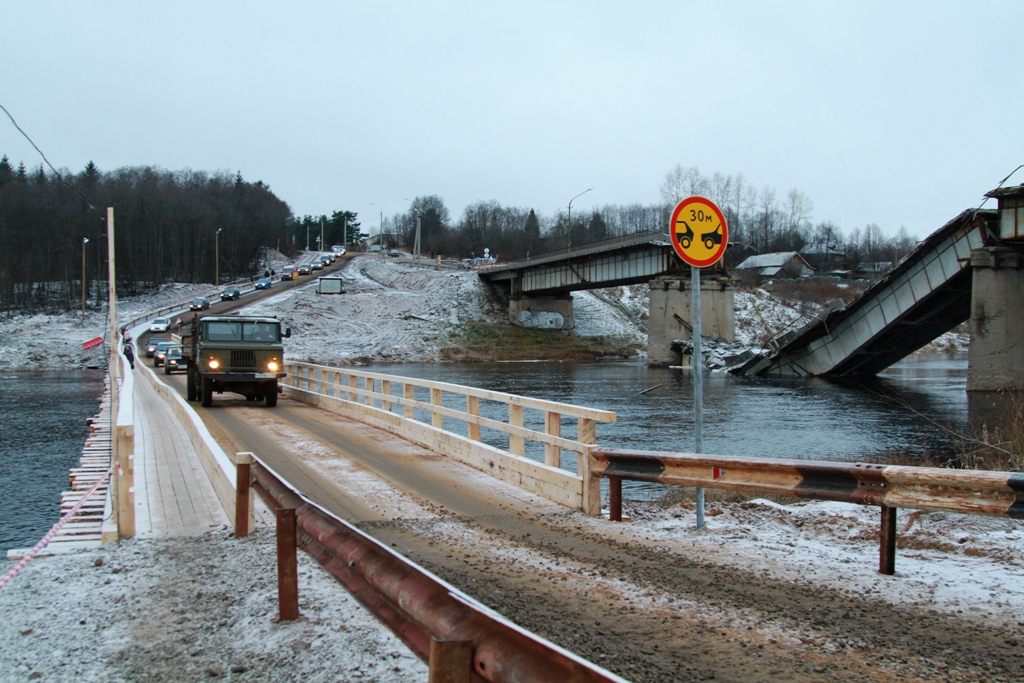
x,y
129,353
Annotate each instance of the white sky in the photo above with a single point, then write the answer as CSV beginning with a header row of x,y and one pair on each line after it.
x,y
887,113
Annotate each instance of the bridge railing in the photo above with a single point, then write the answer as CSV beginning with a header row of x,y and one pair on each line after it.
x,y
392,402
887,486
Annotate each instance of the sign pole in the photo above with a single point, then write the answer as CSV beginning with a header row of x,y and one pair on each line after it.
x,y
698,384
700,237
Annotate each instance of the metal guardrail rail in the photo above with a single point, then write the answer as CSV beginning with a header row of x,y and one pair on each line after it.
x,y
888,486
418,607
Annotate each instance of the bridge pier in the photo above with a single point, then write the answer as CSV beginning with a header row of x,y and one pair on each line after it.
x,y
671,300
550,312
996,355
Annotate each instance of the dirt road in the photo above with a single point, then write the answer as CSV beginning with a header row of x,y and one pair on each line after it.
x,y
647,610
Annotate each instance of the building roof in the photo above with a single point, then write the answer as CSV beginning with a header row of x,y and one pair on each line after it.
x,y
773,260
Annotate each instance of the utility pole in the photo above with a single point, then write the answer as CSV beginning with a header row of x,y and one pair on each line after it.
x,y
380,229
85,240
344,230
568,220
416,246
320,242
307,235
216,258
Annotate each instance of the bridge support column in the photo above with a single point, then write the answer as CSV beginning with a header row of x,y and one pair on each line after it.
x,y
544,312
996,356
671,300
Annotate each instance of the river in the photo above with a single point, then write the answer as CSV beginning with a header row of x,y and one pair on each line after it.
x,y
42,431
906,411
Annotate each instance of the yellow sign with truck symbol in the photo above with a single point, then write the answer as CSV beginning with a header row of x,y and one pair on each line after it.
x,y
699,231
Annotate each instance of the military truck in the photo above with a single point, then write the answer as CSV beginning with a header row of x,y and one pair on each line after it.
x,y
240,354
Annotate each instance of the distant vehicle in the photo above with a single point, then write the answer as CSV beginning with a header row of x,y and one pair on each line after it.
x,y
173,362
466,263
230,294
159,324
327,257
305,269
289,273
394,253
151,345
200,304
264,283
161,352
317,265
338,249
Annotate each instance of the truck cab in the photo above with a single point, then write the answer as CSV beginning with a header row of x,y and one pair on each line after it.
x,y
244,355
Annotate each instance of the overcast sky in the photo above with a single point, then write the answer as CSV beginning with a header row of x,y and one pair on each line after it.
x,y
887,113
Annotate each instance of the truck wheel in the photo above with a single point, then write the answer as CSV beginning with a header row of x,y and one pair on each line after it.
x,y
272,394
207,392
190,384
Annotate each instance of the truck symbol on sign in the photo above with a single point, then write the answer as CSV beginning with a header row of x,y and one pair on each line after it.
x,y
685,238
712,238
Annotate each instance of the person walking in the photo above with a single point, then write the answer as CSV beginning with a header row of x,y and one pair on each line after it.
x,y
129,353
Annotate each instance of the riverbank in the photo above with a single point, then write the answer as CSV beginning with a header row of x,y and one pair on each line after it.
x,y
394,312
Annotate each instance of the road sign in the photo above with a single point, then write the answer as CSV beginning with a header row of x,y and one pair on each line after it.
x,y
699,232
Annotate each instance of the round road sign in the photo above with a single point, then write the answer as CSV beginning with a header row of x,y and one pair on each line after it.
x,y
699,232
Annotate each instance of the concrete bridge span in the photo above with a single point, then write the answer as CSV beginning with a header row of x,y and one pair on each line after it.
x,y
540,289
972,268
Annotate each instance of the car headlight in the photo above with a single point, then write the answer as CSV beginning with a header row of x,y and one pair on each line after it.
x,y
272,366
214,364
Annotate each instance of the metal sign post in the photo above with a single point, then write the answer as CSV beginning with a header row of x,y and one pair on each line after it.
x,y
699,236
698,385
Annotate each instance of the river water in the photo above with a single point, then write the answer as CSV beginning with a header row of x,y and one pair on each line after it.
x,y
907,411
42,431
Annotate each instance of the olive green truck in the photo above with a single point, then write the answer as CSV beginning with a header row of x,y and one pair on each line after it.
x,y
239,354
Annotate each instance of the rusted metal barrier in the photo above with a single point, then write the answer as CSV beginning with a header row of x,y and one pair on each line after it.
x,y
421,609
888,486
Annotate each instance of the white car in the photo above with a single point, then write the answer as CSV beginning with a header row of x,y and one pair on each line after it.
x,y
159,324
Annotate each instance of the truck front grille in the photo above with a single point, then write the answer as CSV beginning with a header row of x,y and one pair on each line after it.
x,y
243,359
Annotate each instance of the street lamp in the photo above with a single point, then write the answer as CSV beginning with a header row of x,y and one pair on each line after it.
x,y
416,243
568,220
216,258
380,229
85,240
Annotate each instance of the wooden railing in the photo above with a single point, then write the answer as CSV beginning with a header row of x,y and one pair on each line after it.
x,y
390,402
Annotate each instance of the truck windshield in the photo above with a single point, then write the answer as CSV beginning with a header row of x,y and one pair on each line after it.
x,y
242,331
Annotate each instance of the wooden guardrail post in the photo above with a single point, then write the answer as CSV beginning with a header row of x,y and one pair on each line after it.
x,y
586,433
451,661
353,382
409,392
552,427
385,388
243,495
436,418
887,542
287,566
516,444
125,480
473,408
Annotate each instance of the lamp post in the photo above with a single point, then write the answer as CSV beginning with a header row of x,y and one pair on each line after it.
x,y
216,258
568,220
85,240
380,228
416,243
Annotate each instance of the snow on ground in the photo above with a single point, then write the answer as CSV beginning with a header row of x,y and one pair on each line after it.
x,y
391,312
964,564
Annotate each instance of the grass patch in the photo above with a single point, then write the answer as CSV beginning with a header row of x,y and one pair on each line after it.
x,y
487,342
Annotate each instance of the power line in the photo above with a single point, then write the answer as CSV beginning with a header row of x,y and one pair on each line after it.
x,y
58,175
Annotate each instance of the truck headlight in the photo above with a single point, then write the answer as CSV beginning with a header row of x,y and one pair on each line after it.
x,y
272,366
214,364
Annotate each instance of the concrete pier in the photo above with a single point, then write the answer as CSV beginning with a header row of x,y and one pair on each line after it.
x,y
671,314
996,357
549,312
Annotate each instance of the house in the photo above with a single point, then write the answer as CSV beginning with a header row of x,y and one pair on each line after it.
x,y
779,265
